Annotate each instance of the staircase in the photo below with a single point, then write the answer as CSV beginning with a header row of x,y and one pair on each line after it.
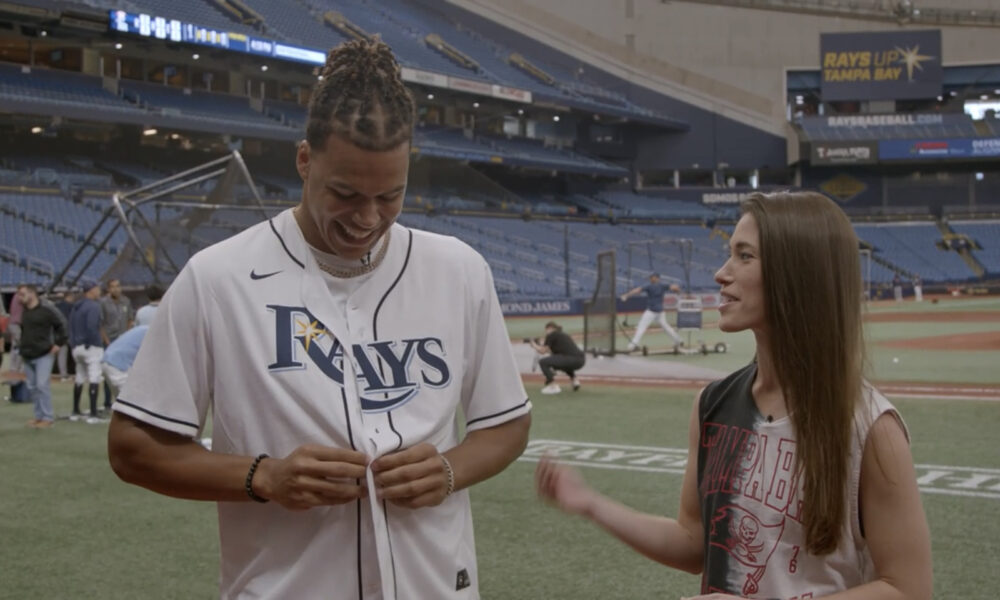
x,y
974,265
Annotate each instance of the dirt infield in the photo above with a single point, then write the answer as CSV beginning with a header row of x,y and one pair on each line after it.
x,y
891,389
985,340
930,317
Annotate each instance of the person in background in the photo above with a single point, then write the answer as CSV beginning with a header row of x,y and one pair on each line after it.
x,y
119,356
65,305
4,335
654,310
799,482
85,339
144,316
14,333
918,289
559,353
117,317
43,330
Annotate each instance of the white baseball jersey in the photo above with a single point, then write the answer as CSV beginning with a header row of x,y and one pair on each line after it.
x,y
249,330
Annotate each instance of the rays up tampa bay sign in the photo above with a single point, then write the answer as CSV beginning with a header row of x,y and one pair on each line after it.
x,y
893,65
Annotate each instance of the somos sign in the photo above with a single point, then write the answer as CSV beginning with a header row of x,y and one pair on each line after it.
x,y
881,66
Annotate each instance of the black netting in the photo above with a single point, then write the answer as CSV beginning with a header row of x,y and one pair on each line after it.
x,y
600,312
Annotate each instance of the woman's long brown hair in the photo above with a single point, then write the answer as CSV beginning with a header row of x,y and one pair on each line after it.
x,y
813,302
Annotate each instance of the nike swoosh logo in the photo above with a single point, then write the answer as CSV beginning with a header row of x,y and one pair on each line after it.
x,y
255,276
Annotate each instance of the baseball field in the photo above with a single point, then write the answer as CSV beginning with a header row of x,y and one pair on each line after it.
x,y
70,529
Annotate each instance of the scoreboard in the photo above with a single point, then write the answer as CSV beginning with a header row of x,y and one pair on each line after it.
x,y
173,30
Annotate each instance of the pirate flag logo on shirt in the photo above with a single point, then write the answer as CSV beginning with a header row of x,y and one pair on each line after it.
x,y
747,539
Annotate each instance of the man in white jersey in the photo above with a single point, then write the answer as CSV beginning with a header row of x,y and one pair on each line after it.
x,y
334,349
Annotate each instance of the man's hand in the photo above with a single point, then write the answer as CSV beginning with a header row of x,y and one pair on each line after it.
x,y
412,478
312,475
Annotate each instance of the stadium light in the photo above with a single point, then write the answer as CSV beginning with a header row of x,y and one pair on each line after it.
x,y
118,46
430,96
263,67
555,118
984,97
36,129
520,111
940,98
475,105
195,56
43,33
150,131
979,176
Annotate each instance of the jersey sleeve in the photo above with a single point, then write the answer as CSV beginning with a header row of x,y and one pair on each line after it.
x,y
492,391
170,383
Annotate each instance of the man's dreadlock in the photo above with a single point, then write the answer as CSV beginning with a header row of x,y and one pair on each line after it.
x,y
361,97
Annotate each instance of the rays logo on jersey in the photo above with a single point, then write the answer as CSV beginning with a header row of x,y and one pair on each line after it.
x,y
390,379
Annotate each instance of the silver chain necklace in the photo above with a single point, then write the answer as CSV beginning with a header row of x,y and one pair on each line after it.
x,y
366,266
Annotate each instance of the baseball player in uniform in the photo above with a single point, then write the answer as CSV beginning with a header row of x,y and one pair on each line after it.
x,y
85,340
334,349
654,309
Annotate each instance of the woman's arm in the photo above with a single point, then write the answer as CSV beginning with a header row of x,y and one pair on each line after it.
x,y
678,543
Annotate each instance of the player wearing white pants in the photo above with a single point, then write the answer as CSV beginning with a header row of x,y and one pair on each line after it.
x,y
88,364
654,309
647,318
85,339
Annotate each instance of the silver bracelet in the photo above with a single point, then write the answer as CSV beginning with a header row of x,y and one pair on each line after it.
x,y
451,475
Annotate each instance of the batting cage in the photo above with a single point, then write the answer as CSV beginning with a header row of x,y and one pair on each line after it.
x,y
147,235
600,313
670,257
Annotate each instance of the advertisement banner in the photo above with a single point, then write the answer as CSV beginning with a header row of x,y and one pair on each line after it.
x,y
424,77
468,85
892,65
961,148
844,153
509,93
568,306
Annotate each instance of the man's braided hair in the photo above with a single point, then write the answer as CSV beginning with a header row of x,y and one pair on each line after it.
x,y
361,97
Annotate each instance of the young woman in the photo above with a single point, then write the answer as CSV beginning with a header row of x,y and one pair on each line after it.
x,y
800,482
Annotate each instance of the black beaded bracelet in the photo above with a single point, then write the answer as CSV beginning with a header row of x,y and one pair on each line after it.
x,y
249,482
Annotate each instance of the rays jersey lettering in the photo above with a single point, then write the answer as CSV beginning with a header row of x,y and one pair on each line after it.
x,y
386,370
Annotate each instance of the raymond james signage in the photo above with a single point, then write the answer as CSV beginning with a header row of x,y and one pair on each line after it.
x,y
891,65
844,153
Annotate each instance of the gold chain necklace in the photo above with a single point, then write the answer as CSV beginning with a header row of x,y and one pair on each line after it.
x,y
365,267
